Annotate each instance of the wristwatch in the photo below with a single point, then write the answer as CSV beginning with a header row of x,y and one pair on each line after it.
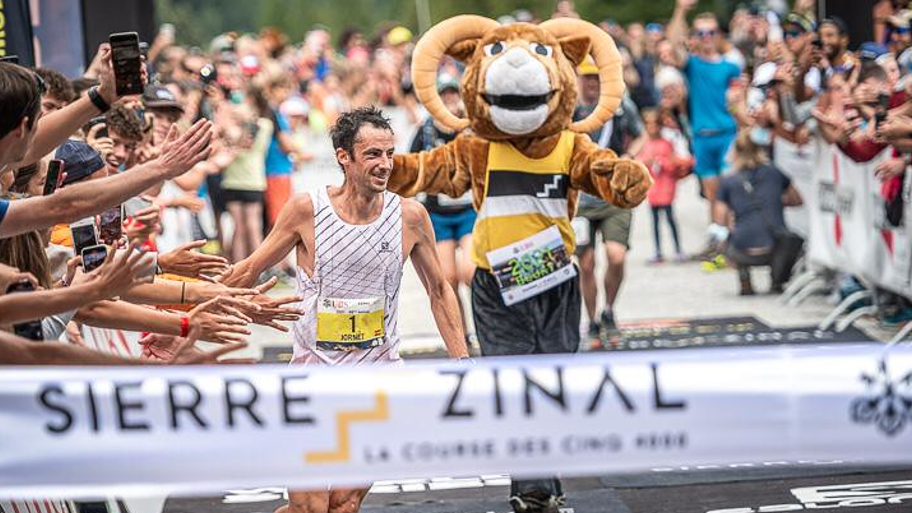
x,y
97,100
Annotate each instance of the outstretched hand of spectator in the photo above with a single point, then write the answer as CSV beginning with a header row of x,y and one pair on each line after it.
x,y
271,310
185,261
186,354
219,320
121,271
182,152
895,127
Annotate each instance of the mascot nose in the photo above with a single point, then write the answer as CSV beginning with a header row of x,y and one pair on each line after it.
x,y
517,57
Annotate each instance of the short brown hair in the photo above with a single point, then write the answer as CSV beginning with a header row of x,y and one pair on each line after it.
x,y
19,97
58,86
125,122
706,16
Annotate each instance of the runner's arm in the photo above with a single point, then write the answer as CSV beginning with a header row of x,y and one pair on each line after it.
x,y
444,303
281,240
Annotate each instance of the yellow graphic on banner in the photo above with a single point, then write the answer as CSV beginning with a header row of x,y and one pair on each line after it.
x,y
345,324
344,419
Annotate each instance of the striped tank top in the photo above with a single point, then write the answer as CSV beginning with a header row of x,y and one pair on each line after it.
x,y
351,262
522,197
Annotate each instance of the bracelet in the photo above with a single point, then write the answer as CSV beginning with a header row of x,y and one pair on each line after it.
x,y
183,291
185,326
97,100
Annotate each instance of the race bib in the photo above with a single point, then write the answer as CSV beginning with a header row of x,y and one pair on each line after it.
x,y
531,266
349,324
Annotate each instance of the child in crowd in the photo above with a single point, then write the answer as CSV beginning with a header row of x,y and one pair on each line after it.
x,y
667,168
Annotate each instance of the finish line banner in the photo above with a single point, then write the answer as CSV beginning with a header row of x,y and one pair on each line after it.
x,y
189,430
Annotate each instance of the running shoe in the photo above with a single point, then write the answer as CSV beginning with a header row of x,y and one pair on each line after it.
x,y
718,263
656,260
609,334
895,316
529,503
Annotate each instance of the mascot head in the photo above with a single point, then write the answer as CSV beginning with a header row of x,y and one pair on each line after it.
x,y
520,79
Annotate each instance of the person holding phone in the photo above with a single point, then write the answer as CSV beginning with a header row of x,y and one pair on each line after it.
x,y
121,271
25,140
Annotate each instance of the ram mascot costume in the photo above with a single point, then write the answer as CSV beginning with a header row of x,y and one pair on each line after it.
x,y
525,161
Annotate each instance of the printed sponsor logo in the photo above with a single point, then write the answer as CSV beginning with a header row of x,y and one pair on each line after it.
x,y
856,495
888,402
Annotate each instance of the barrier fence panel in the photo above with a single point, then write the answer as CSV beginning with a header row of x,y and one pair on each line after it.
x,y
158,430
843,217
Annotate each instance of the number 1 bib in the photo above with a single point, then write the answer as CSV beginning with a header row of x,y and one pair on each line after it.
x,y
350,324
531,266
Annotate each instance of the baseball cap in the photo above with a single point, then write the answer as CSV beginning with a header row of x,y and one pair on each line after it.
x,y
587,67
799,21
399,35
295,106
837,22
654,27
160,97
871,51
80,160
446,81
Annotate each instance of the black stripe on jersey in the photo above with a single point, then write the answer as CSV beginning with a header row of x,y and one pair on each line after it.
x,y
518,183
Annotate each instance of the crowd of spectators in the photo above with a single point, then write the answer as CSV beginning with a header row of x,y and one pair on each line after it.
x,y
202,161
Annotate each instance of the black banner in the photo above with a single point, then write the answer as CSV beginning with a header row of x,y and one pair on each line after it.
x,y
16,31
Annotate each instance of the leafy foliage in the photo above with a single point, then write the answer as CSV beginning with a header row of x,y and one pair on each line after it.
x,y
197,21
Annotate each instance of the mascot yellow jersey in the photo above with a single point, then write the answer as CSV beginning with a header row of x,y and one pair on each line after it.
x,y
522,197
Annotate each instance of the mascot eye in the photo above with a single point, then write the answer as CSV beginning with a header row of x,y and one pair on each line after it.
x,y
543,50
493,49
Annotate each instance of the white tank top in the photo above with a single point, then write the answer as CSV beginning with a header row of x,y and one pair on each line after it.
x,y
351,262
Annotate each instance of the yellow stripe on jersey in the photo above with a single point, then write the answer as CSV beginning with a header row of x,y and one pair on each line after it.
x,y
504,156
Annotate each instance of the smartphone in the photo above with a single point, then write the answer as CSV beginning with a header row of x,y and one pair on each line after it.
x,y
135,205
83,232
93,257
54,173
110,227
126,57
883,104
168,30
31,329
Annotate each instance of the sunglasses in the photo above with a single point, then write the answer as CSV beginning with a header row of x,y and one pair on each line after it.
x,y
793,33
901,30
705,33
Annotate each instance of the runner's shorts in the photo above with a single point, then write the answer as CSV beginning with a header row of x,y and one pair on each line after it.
x,y
546,323
453,226
611,221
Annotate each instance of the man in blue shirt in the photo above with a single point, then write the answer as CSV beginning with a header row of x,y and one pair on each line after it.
x,y
709,76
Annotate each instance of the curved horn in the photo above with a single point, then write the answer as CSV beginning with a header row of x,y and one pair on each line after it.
x,y
608,60
426,59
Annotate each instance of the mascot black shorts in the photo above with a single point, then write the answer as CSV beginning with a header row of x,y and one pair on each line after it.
x,y
546,323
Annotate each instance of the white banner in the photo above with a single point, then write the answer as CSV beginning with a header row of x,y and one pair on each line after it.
x,y
204,429
797,163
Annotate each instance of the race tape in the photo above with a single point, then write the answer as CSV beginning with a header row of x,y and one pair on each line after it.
x,y
83,432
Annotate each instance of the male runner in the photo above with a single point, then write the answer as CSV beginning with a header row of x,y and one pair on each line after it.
x,y
351,242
